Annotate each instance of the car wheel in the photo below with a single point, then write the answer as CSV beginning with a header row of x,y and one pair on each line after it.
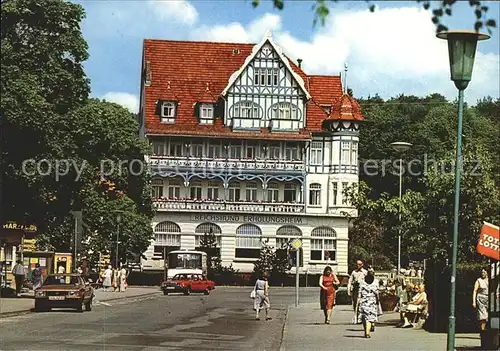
x,y
88,305
165,292
207,291
187,291
79,306
41,307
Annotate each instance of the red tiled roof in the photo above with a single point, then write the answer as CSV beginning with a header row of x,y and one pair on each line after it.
x,y
347,108
182,70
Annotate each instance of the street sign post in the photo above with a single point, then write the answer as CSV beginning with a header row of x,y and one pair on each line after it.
x,y
297,244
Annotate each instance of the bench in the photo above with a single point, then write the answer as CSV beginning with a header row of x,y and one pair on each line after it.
x,y
418,318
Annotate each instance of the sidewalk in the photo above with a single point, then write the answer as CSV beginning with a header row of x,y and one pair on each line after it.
x,y
15,306
304,330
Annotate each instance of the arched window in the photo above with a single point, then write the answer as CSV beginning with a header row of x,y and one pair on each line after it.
x,y
284,235
206,228
246,109
248,241
284,110
167,238
315,194
323,244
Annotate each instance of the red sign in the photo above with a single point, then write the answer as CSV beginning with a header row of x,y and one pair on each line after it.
x,y
489,241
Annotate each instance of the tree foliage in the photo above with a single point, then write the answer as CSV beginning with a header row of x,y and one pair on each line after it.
x,y
441,9
84,154
426,206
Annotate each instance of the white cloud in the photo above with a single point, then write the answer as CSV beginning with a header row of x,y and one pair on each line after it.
x,y
390,52
176,10
236,33
129,101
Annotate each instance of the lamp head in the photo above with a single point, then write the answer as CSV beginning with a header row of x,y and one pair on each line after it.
x,y
462,51
401,146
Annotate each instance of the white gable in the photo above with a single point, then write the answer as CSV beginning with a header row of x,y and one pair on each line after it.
x,y
267,39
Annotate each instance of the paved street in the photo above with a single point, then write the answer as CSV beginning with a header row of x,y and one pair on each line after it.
x,y
223,320
14,305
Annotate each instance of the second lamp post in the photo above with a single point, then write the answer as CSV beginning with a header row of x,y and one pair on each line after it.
x,y
400,147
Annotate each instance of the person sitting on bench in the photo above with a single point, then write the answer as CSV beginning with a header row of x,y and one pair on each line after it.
x,y
415,306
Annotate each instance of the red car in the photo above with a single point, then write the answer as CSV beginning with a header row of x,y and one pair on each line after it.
x,y
187,283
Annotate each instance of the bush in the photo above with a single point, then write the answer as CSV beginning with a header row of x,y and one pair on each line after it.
x,y
437,281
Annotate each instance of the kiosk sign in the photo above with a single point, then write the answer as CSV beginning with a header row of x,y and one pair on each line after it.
x,y
489,241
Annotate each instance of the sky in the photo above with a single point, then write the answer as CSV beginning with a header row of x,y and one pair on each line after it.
x,y
389,52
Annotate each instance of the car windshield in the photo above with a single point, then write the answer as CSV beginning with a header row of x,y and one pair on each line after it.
x,y
61,280
180,277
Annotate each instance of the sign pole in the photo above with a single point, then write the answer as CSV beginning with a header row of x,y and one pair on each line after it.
x,y
297,257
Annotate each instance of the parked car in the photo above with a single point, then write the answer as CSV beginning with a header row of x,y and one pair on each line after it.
x,y
187,283
64,291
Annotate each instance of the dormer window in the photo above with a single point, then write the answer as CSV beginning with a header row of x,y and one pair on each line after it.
x,y
327,109
206,114
168,112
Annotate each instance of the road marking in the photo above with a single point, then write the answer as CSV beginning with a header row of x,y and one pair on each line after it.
x,y
102,303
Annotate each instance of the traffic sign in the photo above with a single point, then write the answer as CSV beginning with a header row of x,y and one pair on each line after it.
x,y
297,243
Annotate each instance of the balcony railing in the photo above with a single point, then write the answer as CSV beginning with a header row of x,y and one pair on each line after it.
x,y
228,164
213,205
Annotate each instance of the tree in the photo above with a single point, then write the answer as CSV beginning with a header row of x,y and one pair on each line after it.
x,y
265,262
107,178
42,79
442,8
208,245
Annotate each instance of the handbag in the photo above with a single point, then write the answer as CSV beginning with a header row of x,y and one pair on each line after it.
x,y
252,294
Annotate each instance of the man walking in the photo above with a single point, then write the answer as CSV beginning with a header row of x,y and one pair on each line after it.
x,y
18,272
357,276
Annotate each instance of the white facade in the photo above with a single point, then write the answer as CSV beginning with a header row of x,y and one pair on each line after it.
x,y
253,191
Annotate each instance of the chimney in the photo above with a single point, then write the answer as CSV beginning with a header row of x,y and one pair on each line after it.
x,y
299,62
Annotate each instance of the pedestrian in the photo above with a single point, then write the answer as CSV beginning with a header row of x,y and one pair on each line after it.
x,y
116,278
36,277
107,276
18,272
356,278
480,298
367,304
262,296
327,292
123,278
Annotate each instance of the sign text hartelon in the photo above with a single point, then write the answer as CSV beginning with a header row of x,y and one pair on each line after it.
x,y
248,219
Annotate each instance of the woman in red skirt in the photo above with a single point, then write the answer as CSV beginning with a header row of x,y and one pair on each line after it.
x,y
327,292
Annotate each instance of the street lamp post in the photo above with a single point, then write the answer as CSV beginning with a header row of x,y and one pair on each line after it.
x,y
400,147
462,51
118,220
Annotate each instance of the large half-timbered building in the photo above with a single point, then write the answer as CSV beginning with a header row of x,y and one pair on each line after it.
x,y
248,146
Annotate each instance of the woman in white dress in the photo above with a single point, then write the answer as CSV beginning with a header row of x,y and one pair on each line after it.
x,y
480,298
108,274
123,278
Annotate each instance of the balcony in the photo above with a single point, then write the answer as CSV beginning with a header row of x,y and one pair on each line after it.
x,y
227,206
217,164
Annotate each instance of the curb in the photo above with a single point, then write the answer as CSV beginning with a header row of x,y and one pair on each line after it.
x,y
31,310
283,330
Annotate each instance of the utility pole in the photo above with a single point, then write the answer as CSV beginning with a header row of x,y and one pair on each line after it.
x,y
118,220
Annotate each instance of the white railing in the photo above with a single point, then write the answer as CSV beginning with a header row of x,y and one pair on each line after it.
x,y
208,205
223,163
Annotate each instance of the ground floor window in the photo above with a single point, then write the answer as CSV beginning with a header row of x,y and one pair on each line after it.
x,y
248,241
323,244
